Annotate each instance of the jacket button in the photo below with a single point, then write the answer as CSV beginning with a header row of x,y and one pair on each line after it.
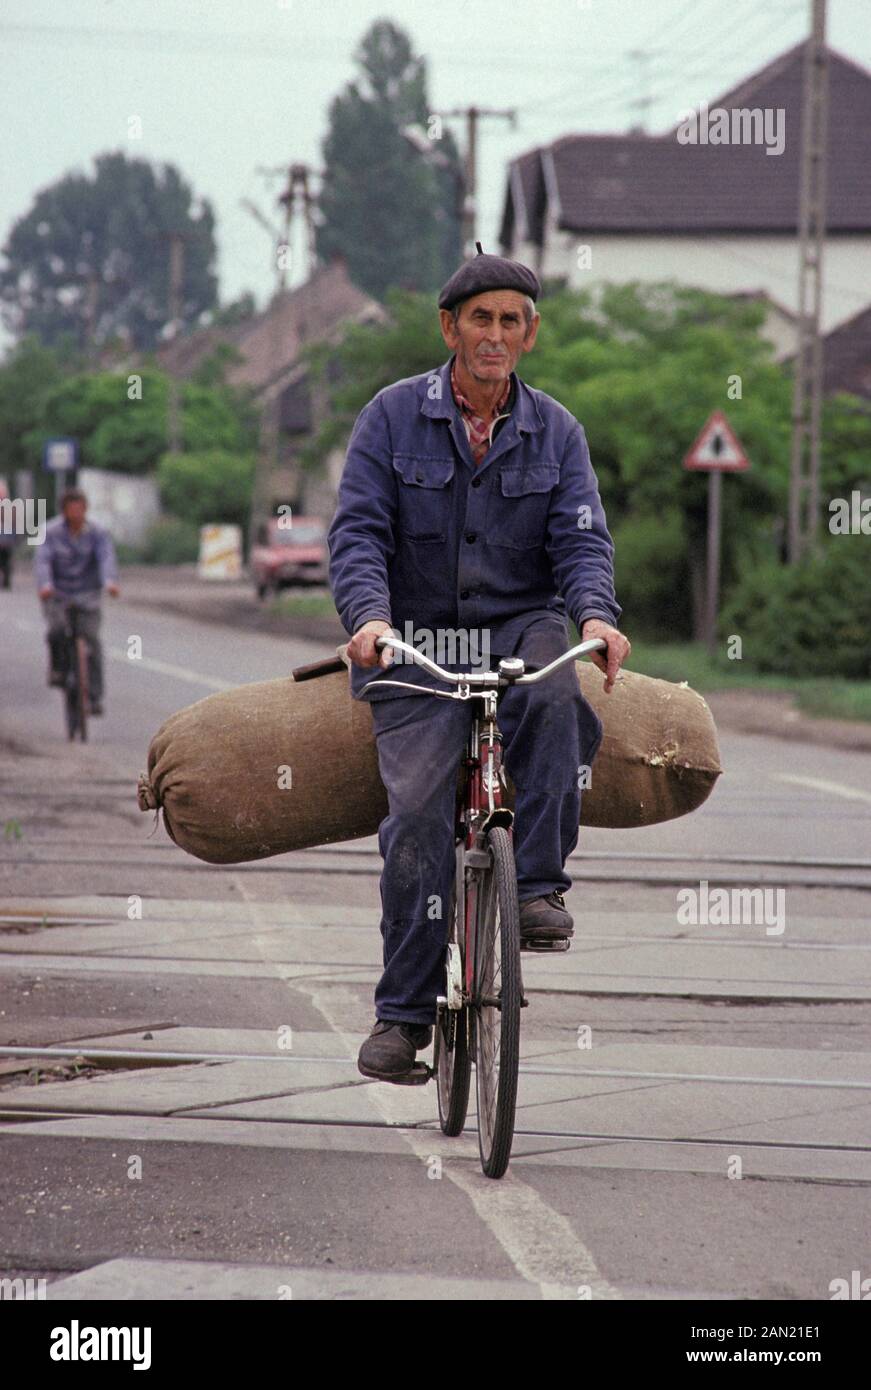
x,y
476,482
464,593
471,538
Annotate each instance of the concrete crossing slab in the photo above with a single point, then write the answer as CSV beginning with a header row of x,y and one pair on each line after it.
x,y
761,1159
143,1280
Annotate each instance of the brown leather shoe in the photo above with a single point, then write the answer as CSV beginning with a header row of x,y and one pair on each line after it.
x,y
546,919
388,1052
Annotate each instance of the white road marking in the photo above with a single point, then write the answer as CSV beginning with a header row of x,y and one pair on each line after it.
x,y
540,1243
820,784
150,663
168,668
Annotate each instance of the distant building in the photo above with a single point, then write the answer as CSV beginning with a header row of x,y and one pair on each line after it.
x,y
267,358
847,356
723,217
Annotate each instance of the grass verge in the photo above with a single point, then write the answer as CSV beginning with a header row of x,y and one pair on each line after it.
x,y
303,606
823,699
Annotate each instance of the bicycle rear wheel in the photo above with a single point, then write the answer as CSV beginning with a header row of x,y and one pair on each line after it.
x,y
497,1003
454,1066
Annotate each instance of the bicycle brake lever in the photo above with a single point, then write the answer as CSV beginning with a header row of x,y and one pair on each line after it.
x,y
408,685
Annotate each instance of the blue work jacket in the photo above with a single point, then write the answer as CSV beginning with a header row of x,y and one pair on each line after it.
x,y
423,537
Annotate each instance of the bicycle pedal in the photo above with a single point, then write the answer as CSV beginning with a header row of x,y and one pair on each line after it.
x,y
545,944
419,1075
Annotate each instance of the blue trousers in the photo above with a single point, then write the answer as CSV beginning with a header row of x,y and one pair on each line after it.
x,y
549,733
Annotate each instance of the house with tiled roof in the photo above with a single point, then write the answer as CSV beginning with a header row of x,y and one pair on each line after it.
x,y
265,355
590,209
846,352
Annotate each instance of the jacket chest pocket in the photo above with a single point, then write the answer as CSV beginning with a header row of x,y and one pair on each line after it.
x,y
519,507
423,486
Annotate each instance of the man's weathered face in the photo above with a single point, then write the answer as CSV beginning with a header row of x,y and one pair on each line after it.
x,y
490,334
74,513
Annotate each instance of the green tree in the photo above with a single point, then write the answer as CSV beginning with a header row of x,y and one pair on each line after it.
x,y
643,383
128,433
390,210
91,257
810,619
641,368
28,377
368,358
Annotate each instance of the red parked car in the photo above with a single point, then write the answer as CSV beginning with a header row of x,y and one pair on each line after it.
x,y
286,555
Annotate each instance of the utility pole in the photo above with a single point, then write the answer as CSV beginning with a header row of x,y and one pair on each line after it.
x,y
298,201
92,304
176,282
641,57
804,472
472,115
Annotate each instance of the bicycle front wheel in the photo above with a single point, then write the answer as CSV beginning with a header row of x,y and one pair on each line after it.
x,y
82,682
71,710
497,1003
454,1065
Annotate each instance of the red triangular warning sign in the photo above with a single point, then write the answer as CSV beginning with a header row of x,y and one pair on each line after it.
x,y
717,448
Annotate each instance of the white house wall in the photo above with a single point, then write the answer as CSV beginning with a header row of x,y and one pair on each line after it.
x,y
724,264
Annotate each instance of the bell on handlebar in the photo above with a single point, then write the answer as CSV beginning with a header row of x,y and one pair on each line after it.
x,y
512,667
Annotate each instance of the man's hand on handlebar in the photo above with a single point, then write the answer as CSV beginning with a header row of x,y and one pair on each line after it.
x,y
362,649
611,660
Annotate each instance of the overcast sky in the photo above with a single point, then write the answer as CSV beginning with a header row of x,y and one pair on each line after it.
x,y
223,87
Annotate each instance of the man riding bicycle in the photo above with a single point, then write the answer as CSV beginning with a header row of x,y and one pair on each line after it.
x,y
75,562
468,501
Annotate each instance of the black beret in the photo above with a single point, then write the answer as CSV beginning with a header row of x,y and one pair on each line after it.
x,y
483,273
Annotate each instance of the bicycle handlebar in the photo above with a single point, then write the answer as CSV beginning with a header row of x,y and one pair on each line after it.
x,y
489,677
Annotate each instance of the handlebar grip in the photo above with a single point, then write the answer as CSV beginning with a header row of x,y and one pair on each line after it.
x,y
318,668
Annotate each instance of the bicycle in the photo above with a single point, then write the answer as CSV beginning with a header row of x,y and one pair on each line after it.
x,y
76,688
478,1016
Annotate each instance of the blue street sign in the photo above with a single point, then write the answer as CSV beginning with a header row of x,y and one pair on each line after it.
x,y
60,455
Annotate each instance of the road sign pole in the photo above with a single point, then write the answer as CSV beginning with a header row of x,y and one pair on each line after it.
x,y
715,451
715,494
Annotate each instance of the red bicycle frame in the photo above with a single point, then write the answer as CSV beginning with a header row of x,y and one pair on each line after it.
x,y
482,796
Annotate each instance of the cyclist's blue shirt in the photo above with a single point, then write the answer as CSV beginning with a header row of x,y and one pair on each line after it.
x,y
75,566
422,536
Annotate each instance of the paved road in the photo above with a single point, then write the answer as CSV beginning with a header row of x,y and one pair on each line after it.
x,y
712,1048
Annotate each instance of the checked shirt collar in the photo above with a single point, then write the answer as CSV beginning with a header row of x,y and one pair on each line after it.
x,y
478,429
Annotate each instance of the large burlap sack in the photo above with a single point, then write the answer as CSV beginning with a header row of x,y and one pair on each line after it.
x,y
287,764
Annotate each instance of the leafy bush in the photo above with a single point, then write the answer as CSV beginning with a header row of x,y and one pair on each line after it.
x,y
811,619
211,486
129,441
172,540
650,575
129,434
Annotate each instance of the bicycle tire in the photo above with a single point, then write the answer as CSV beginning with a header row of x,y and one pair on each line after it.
x,y
497,1024
82,684
71,709
454,1068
